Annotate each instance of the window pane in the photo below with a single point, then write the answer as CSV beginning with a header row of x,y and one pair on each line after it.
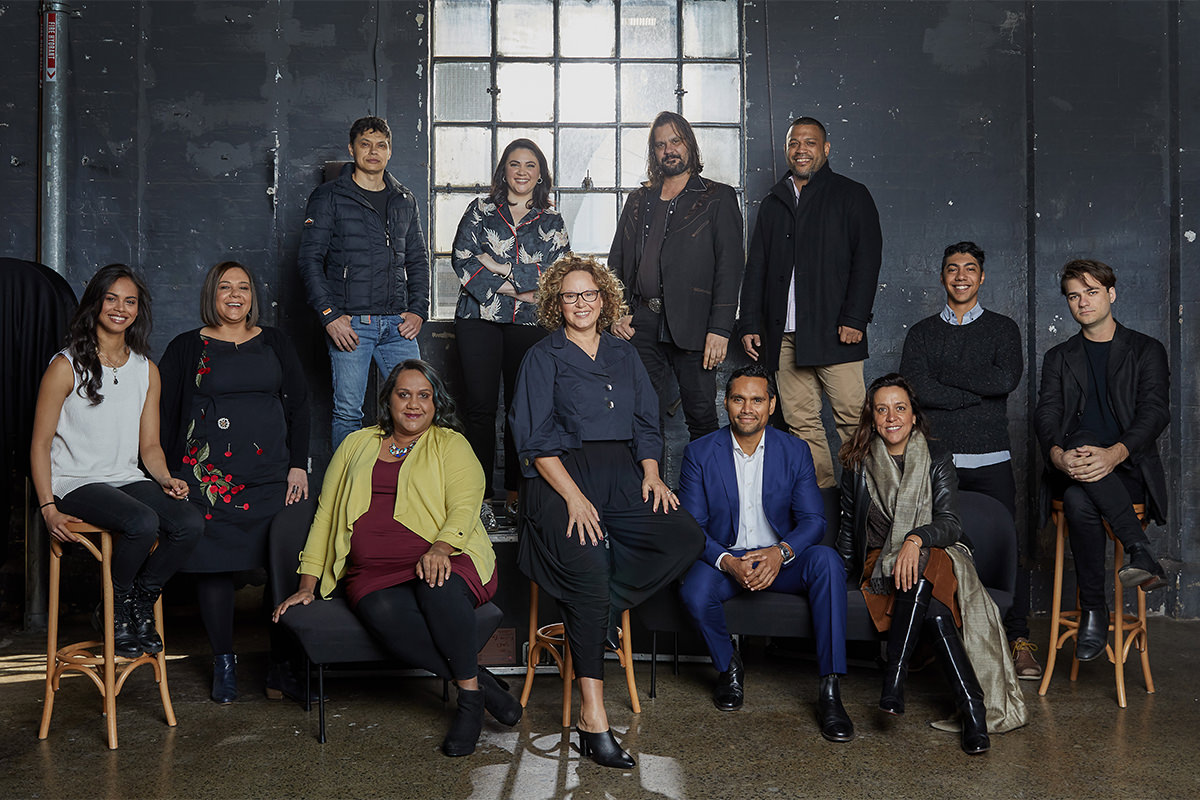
x,y
460,93
525,27
526,92
591,221
542,137
445,289
462,156
587,93
462,28
714,92
635,144
721,150
448,208
586,29
648,29
647,89
587,153
710,29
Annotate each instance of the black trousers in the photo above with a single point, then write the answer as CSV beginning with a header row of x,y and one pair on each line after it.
x,y
1087,506
431,628
642,551
487,352
996,481
141,513
697,385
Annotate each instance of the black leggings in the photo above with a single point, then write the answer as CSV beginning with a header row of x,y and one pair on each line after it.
x,y
215,596
431,628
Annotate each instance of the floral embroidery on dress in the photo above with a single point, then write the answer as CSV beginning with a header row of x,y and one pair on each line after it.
x,y
202,367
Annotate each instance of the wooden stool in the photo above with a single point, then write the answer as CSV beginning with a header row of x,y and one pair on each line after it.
x,y
1129,630
107,670
553,639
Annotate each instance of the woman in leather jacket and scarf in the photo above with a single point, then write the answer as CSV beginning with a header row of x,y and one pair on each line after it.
x,y
899,530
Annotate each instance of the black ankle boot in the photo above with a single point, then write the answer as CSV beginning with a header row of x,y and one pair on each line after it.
x,y
835,722
143,620
908,612
498,702
603,749
224,683
468,723
125,640
968,695
1092,636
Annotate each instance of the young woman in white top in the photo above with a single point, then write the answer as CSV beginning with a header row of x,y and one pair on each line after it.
x,y
97,412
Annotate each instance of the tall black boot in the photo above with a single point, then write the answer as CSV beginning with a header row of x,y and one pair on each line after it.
x,y
908,612
968,695
468,723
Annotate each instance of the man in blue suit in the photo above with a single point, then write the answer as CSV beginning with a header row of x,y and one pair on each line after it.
x,y
754,491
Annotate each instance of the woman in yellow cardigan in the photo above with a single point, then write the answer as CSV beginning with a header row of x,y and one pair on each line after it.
x,y
398,524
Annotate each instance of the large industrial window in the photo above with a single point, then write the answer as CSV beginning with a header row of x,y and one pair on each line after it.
x,y
583,79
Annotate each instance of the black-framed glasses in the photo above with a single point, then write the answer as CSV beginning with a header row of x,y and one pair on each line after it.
x,y
571,298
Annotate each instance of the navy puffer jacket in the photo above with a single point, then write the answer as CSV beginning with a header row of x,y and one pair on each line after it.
x,y
352,263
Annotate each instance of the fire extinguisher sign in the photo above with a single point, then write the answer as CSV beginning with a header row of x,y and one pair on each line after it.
x,y
50,68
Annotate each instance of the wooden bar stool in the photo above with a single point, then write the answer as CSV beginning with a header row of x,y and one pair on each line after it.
x,y
1129,630
553,639
97,660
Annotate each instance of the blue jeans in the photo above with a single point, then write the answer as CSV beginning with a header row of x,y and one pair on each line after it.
x,y
378,340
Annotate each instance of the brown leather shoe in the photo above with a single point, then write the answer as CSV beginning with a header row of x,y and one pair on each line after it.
x,y
1027,667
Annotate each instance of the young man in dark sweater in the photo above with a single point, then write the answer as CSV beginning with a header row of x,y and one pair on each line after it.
x,y
963,362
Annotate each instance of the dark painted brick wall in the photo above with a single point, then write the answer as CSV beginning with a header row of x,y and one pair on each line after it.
x,y
1043,131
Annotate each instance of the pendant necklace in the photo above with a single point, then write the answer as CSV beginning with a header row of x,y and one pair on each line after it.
x,y
400,452
113,367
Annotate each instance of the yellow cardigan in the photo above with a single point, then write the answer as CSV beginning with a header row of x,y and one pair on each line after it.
x,y
438,494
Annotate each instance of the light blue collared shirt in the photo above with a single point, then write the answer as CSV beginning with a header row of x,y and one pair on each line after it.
x,y
949,316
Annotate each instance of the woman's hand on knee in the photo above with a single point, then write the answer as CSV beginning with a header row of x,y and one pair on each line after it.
x,y
434,566
583,518
56,523
653,486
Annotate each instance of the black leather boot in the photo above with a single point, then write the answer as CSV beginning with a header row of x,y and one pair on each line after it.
x,y
968,695
468,723
143,620
603,749
1142,570
908,612
1092,637
729,693
125,640
224,684
835,722
503,707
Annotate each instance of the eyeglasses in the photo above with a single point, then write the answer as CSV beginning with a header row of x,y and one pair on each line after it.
x,y
571,298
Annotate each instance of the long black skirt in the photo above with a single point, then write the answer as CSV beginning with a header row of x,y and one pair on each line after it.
x,y
642,551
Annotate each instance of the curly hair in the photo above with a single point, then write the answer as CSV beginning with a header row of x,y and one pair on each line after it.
x,y
855,450
445,412
82,342
549,308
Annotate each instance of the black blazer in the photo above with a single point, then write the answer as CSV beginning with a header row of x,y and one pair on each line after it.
x,y
1139,382
701,261
942,531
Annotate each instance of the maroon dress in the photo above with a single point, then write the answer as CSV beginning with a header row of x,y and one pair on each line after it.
x,y
384,553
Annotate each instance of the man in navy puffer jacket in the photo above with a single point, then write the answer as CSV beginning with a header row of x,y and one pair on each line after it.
x,y
366,270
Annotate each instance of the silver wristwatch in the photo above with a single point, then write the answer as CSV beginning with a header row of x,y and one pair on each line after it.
x,y
783,551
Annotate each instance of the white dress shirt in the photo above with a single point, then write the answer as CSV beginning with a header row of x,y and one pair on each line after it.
x,y
754,530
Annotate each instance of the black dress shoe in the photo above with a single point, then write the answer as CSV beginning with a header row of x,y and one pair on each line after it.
x,y
603,749
1142,570
835,722
729,693
1092,637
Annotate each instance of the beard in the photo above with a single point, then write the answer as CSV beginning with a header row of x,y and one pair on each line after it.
x,y
675,167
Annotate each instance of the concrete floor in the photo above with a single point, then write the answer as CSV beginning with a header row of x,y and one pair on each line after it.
x,y
384,734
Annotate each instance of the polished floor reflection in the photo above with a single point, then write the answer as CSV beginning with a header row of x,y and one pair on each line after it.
x,y
384,734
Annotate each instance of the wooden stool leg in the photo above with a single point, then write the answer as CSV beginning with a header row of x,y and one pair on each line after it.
x,y
51,639
1117,654
1145,642
535,649
110,667
1056,604
160,668
627,657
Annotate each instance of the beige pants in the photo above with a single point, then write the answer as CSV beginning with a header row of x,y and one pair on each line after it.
x,y
800,400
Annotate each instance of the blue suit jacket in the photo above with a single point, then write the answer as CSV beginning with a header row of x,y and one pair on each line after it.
x,y
792,501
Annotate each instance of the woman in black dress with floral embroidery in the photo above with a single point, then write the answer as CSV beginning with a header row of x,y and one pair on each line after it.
x,y
235,427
